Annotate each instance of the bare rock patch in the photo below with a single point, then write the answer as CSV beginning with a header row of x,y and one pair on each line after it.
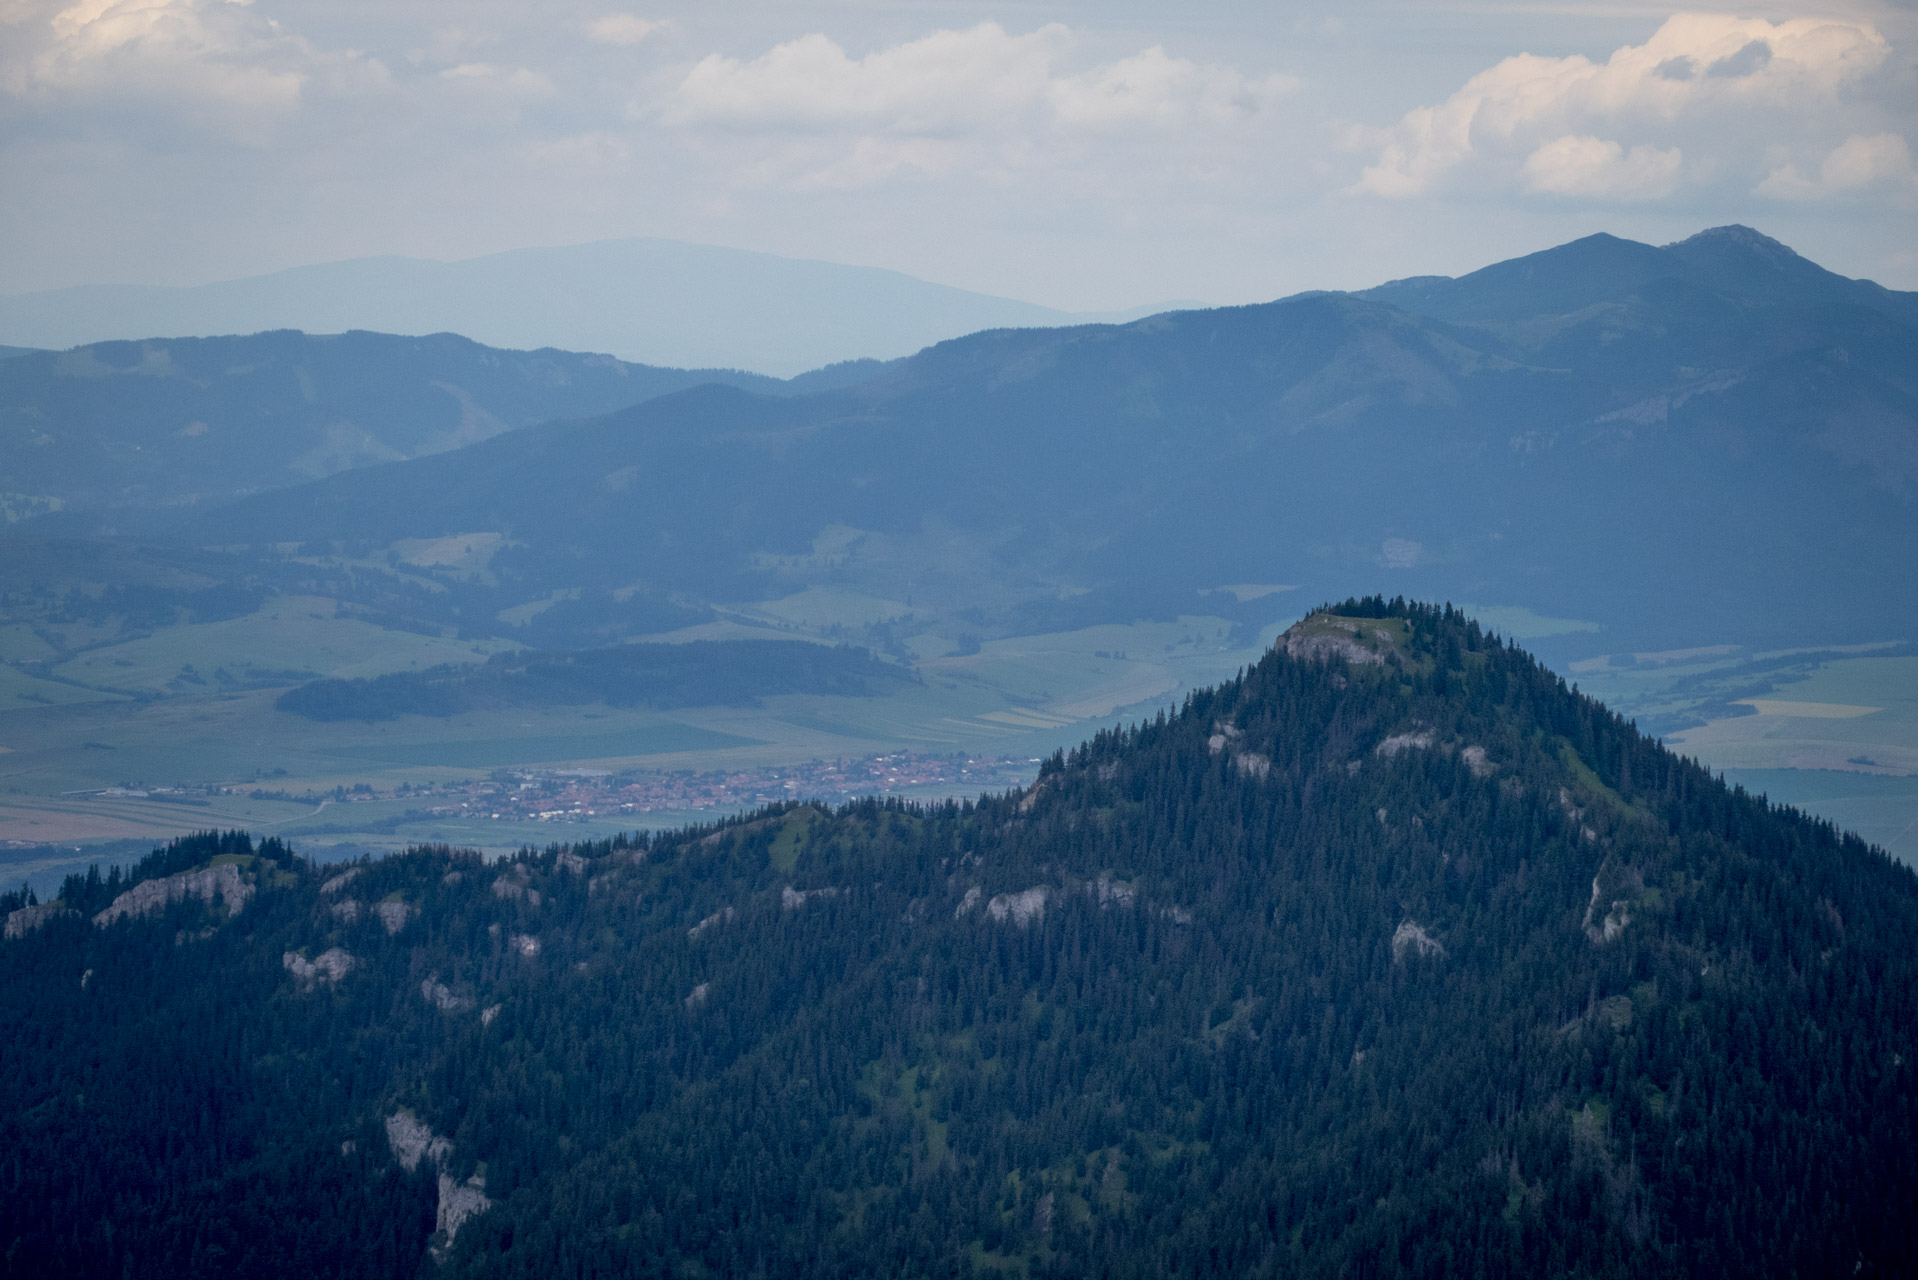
x,y
717,918
340,881
24,921
442,997
329,966
1411,938
394,915
1022,909
411,1141
222,883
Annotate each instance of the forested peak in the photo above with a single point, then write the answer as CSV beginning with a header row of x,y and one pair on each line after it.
x,y
1394,890
1357,691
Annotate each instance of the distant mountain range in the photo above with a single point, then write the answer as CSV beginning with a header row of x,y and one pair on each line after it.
x,y
1714,436
661,302
108,430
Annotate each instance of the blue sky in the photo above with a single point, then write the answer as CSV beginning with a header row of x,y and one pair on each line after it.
x,y
1075,154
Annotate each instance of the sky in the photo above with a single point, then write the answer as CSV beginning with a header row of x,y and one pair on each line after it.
x,y
1081,155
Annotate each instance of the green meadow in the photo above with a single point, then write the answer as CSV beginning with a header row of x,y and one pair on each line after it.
x,y
87,710
191,706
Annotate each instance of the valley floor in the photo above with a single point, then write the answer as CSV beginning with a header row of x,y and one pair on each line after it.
x,y
134,742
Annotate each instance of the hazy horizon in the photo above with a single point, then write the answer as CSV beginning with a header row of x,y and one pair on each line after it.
x,y
1072,157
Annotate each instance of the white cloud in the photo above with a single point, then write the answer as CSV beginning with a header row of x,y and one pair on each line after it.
x,y
1581,165
945,81
451,44
1714,79
1861,164
1153,87
1865,162
517,80
621,29
209,49
977,99
220,61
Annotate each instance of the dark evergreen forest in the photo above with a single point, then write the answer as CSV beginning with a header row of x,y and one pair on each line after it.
x,y
1393,957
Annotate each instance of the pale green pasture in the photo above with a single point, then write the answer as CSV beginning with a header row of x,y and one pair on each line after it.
x,y
1090,673
1881,736
821,608
1681,681
21,644
292,633
466,555
722,629
1522,624
19,689
1888,682
1021,697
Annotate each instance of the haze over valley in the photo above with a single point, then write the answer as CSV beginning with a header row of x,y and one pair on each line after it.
x,y
645,756
662,302
1038,528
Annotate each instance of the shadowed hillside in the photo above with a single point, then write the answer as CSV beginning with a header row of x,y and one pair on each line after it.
x,y
171,421
1393,956
1548,432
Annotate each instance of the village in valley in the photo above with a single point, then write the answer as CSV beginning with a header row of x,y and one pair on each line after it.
x,y
581,795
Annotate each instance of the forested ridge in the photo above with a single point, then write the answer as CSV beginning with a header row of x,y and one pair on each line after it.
x,y
1393,957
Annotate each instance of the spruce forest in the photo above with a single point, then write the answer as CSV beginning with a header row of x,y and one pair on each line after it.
x,y
1393,957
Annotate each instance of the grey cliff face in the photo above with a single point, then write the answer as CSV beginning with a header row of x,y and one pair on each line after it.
x,y
222,884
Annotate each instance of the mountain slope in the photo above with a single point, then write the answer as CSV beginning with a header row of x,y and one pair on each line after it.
x,y
1732,260
183,420
1392,957
1036,477
657,301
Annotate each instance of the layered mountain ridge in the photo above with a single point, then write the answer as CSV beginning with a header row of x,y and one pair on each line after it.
x,y
1543,432
118,431
1392,956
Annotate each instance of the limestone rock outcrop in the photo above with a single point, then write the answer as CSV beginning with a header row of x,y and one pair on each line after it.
x,y
222,883
24,921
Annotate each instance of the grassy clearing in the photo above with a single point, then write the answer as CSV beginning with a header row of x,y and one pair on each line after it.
x,y
465,555
834,545
794,832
